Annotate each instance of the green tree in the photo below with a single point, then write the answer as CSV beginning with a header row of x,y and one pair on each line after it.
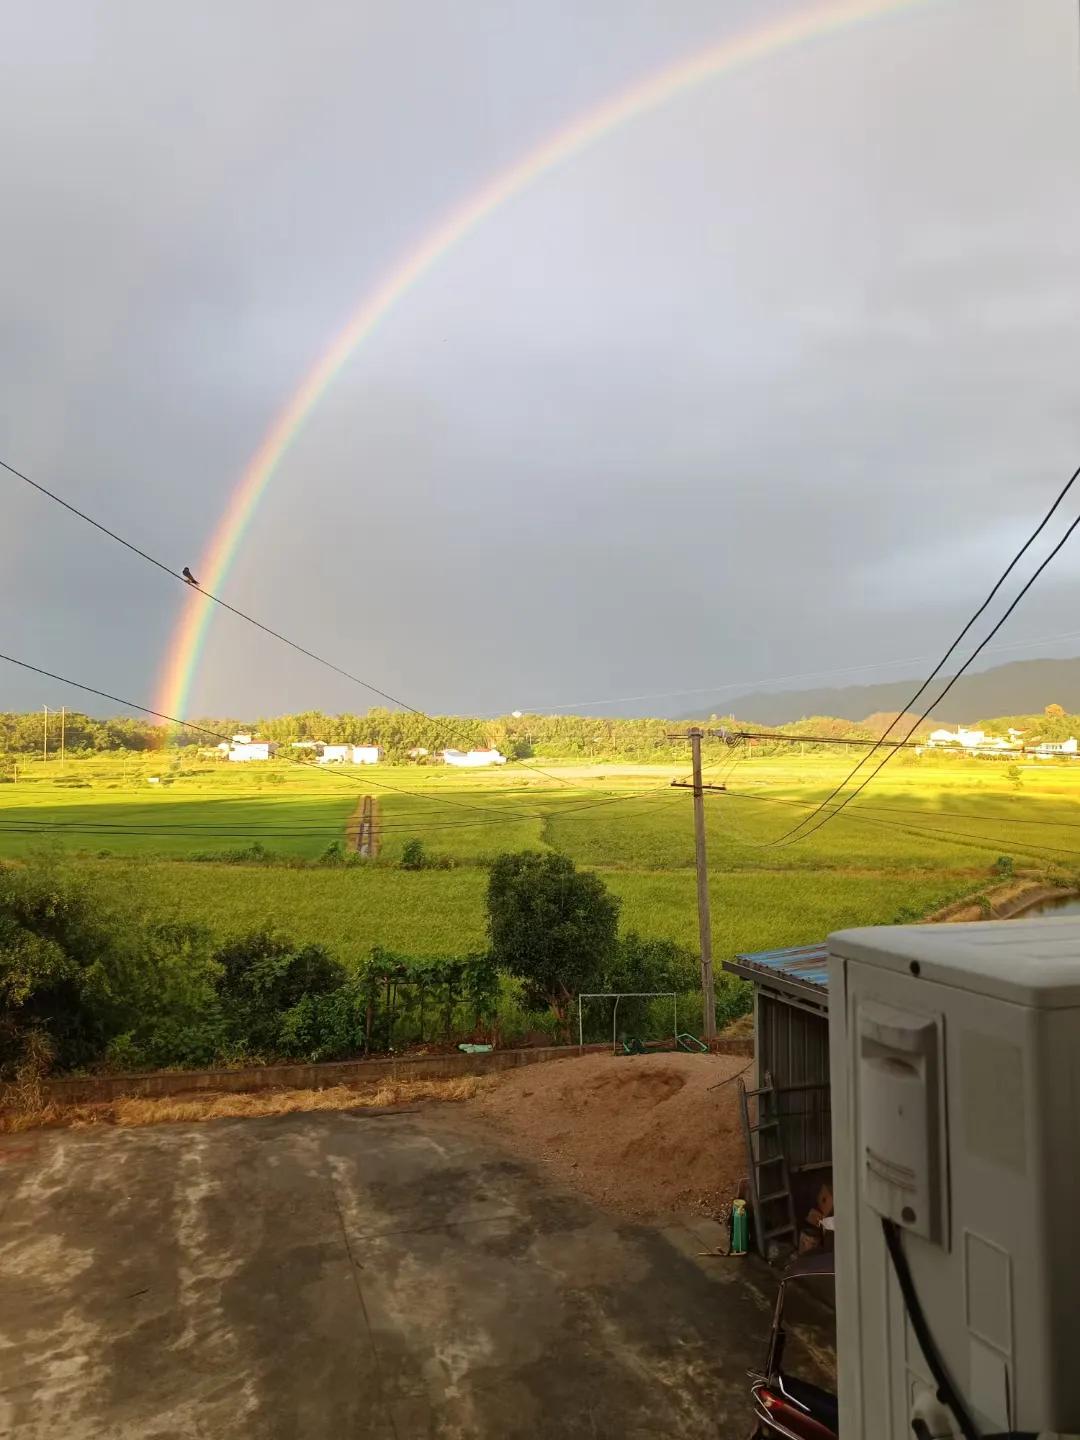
x,y
554,926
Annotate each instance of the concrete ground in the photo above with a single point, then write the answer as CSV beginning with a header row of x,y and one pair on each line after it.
x,y
336,1275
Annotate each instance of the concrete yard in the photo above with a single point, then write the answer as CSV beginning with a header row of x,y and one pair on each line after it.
x,y
382,1274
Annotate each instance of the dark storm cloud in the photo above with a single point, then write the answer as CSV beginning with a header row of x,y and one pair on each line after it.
x,y
771,379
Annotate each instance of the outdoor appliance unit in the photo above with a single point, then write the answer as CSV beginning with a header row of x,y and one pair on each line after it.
x,y
955,1058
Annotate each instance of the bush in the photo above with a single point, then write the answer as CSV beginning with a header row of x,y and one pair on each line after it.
x,y
413,856
81,970
264,975
325,1026
1005,867
254,854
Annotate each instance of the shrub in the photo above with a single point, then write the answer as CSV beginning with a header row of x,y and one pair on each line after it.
x,y
412,855
324,1026
263,975
80,969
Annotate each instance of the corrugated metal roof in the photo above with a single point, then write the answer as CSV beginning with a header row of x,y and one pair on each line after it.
x,y
800,968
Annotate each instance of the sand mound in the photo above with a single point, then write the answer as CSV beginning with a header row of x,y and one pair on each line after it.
x,y
642,1133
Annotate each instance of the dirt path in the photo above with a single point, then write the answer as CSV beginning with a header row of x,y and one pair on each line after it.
x,y
361,832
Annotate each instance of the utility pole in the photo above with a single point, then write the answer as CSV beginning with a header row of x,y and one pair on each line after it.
x,y
45,738
63,718
708,994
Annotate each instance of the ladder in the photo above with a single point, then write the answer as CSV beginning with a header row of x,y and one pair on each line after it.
x,y
767,1168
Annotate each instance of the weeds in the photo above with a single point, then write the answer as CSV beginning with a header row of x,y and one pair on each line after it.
x,y
189,1109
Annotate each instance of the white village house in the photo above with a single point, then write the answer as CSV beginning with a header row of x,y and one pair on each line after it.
x,y
969,739
975,742
1057,747
978,742
473,758
335,754
366,754
244,748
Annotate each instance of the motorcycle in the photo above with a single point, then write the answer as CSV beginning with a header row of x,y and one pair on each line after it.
x,y
785,1407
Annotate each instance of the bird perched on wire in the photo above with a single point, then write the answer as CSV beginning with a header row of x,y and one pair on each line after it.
x,y
189,577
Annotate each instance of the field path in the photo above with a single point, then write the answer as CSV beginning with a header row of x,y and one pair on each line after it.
x,y
360,831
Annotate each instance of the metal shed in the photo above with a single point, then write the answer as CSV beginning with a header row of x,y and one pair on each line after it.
x,y
791,1047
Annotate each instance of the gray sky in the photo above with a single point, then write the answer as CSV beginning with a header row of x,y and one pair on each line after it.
x,y
770,380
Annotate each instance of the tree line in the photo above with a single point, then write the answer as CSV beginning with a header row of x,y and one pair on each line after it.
x,y
405,735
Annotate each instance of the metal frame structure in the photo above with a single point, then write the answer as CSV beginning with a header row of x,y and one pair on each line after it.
x,y
618,995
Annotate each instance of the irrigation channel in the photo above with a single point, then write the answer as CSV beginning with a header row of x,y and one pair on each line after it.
x,y
1056,905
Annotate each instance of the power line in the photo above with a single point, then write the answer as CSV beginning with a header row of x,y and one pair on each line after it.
x,y
864,813
225,605
860,815
43,827
381,785
733,737
217,600
202,730
791,836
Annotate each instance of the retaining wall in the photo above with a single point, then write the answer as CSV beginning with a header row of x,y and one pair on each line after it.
x,y
84,1089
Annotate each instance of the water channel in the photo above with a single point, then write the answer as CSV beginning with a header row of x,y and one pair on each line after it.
x,y
1056,905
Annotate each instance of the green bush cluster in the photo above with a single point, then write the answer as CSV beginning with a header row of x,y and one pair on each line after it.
x,y
89,980
103,985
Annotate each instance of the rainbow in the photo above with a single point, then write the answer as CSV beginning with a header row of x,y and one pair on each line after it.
x,y
189,637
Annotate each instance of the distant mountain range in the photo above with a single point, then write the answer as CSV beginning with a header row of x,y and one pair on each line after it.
x,y
1023,687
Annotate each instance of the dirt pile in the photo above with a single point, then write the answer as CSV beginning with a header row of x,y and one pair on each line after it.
x,y
644,1134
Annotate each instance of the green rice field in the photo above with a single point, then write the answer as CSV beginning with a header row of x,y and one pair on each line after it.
x,y
924,833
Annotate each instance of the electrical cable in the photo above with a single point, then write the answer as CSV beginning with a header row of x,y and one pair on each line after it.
x,y
729,1078
924,814
255,830
941,663
202,730
976,841
217,600
938,698
241,614
947,1391
393,789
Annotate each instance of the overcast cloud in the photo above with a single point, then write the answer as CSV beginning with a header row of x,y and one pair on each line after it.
x,y
772,379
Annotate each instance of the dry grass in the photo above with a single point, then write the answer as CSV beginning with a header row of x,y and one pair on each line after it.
x,y
17,1116
216,1106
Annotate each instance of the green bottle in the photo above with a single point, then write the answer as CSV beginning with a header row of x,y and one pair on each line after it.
x,y
738,1227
